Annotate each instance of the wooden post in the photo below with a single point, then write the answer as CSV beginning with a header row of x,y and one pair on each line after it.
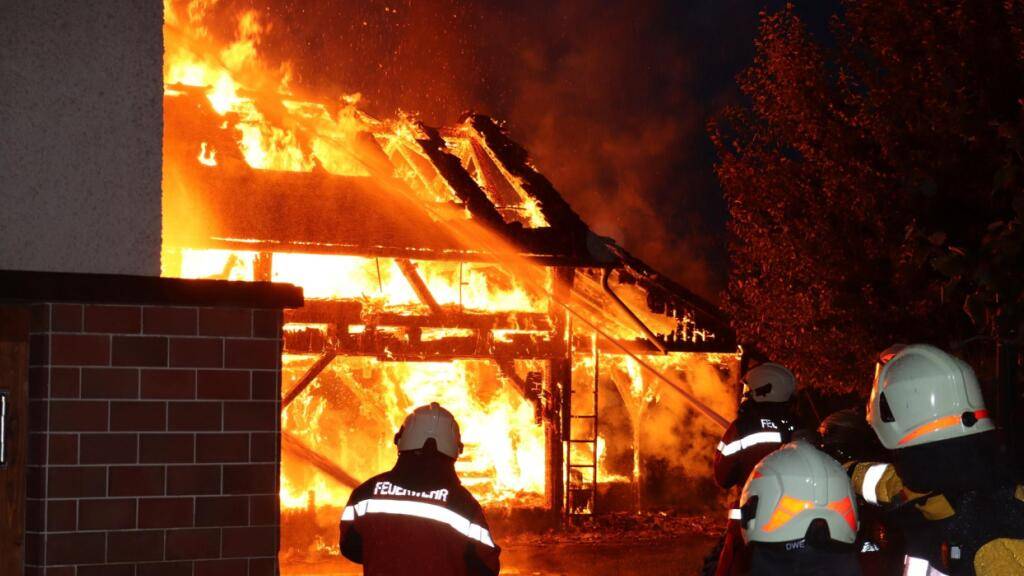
x,y
559,393
263,267
319,366
419,286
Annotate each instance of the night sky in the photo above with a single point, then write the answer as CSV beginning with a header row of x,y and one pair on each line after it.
x,y
611,98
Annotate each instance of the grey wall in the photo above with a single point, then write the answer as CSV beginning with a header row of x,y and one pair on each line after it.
x,y
80,135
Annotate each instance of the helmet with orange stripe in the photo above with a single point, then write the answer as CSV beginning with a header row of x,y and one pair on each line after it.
x,y
793,488
924,395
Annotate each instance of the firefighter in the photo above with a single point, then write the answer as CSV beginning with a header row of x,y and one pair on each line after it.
x,y
846,436
913,520
762,424
798,515
927,407
417,518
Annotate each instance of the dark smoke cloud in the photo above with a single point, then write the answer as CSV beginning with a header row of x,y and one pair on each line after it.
x,y
611,99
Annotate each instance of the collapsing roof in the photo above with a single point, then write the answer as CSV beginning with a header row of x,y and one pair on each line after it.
x,y
318,211
392,199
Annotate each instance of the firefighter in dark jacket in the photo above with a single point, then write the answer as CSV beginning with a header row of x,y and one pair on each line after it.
x,y
762,425
417,518
798,514
848,438
927,407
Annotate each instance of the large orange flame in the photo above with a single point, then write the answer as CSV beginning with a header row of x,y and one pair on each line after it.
x,y
349,414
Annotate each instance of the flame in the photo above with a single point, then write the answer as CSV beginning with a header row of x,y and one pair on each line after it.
x,y
504,189
307,136
504,457
505,447
379,281
350,412
207,155
434,334
276,129
217,264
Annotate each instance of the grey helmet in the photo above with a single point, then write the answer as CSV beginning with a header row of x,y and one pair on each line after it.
x,y
769,382
793,487
924,395
428,422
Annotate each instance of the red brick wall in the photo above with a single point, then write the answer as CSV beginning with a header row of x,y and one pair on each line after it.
x,y
154,440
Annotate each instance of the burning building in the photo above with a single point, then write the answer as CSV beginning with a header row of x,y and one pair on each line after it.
x,y
187,423
437,264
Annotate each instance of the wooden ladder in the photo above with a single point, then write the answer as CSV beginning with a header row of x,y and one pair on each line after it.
x,y
582,474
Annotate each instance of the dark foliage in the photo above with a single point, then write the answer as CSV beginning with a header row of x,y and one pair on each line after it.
x,y
874,183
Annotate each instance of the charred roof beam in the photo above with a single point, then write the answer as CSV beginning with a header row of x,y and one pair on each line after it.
x,y
651,336
462,184
419,286
319,366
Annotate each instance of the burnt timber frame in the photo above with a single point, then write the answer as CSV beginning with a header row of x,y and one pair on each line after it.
x,y
339,215
317,212
419,286
321,363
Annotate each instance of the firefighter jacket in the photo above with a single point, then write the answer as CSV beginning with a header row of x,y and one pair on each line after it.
x,y
986,535
971,519
758,430
417,519
920,517
800,558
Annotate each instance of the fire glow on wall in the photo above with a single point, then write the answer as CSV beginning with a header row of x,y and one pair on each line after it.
x,y
437,265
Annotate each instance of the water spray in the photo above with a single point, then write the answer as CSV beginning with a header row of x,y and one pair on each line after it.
x,y
488,241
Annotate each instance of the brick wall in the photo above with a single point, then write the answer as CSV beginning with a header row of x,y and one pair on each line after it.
x,y
154,440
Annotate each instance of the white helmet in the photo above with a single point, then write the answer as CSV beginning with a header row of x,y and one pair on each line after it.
x,y
885,355
791,488
769,382
925,395
427,422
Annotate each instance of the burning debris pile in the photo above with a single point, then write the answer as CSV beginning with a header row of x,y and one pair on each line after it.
x,y
620,527
438,265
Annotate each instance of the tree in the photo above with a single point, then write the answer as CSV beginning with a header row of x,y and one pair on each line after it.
x,y
874,184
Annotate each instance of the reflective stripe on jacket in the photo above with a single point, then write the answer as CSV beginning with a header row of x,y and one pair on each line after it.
x,y
752,436
438,530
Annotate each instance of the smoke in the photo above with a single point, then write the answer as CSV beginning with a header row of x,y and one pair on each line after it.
x,y
676,443
602,105
603,96
678,434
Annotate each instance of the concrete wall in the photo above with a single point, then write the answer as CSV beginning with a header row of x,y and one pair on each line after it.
x,y
80,135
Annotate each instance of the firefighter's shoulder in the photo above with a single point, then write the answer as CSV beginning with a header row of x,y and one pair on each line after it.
x,y
464,503
751,422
